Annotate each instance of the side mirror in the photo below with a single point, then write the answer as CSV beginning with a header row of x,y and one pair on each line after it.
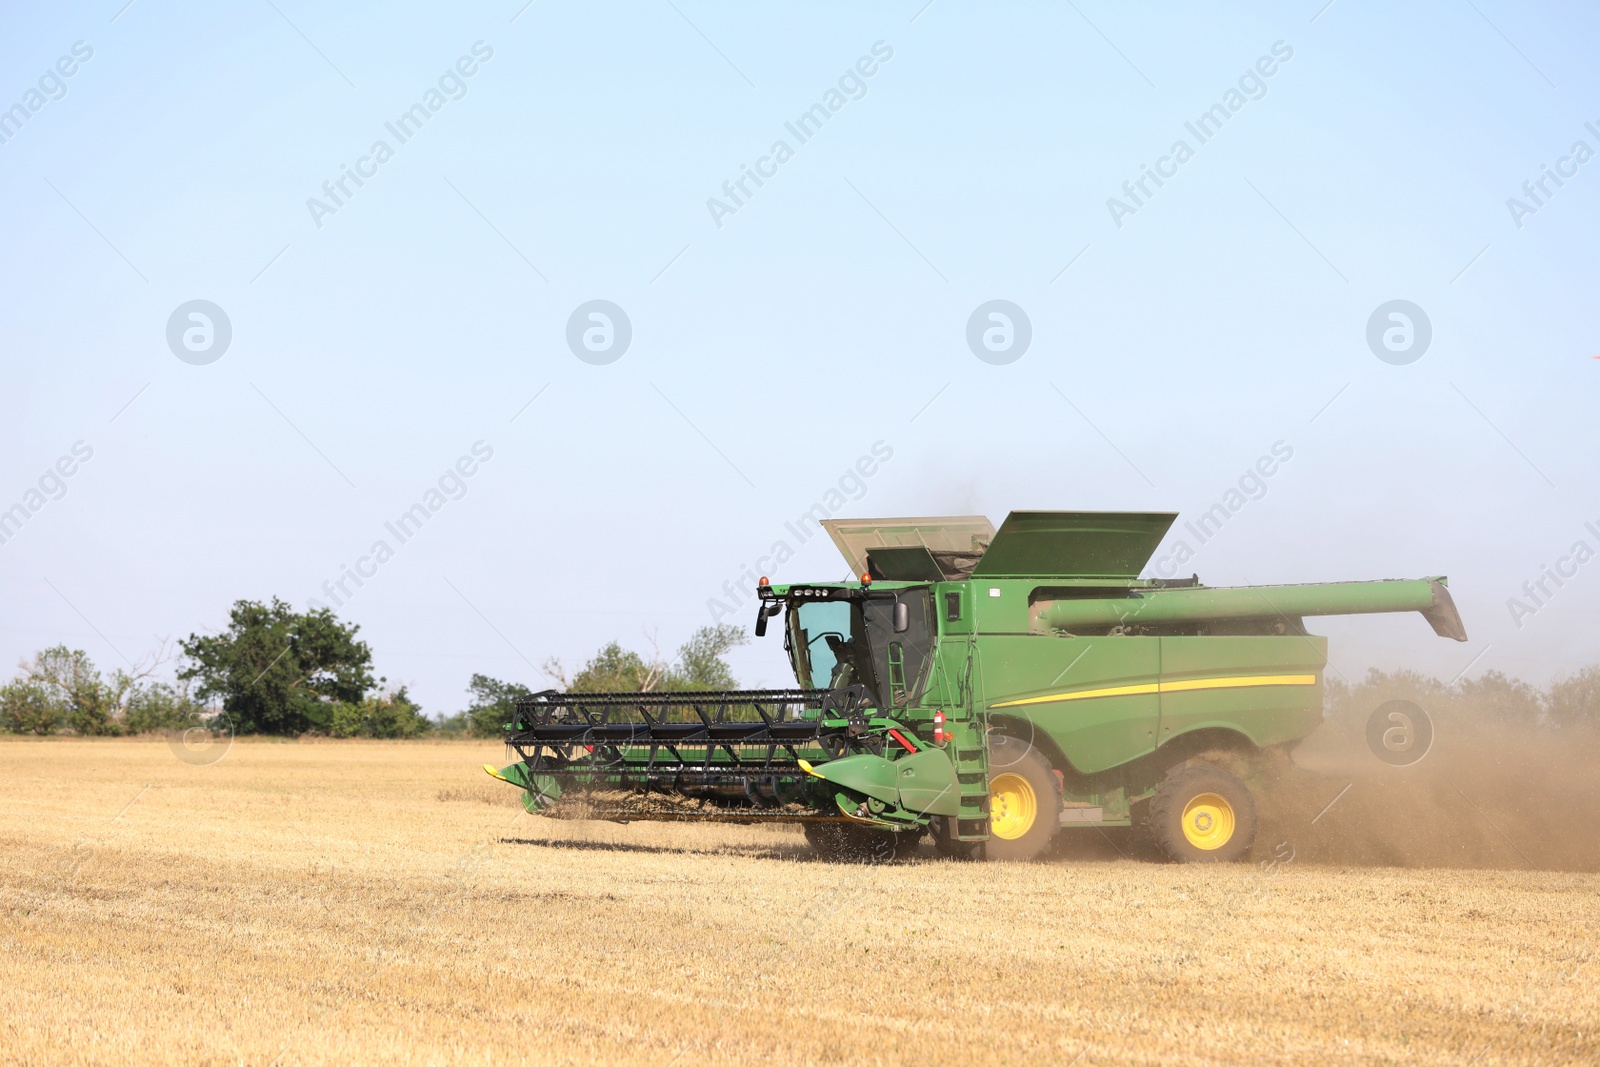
x,y
763,613
902,616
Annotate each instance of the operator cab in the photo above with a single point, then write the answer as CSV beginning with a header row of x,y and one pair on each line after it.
x,y
843,635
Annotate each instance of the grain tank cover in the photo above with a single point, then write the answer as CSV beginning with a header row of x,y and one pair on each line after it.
x,y
1113,545
957,534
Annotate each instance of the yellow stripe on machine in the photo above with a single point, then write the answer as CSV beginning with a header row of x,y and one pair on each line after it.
x,y
1085,694
1182,685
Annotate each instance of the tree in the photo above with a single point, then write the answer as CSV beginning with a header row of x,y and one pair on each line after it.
x,y
1574,701
1499,700
493,704
88,704
61,689
30,708
698,665
613,669
277,671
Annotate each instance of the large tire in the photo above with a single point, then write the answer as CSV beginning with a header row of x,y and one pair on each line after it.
x,y
1024,801
951,848
1201,814
840,842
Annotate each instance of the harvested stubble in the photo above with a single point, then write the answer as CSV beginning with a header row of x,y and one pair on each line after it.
x,y
358,902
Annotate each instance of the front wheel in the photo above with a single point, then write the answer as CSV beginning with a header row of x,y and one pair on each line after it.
x,y
1202,814
946,844
1024,800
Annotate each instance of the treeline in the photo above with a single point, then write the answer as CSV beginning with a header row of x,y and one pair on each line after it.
x,y
279,672
1493,700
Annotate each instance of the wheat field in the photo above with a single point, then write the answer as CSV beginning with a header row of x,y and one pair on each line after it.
x,y
365,902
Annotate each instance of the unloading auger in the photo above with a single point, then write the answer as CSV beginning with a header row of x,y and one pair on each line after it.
x,y
986,687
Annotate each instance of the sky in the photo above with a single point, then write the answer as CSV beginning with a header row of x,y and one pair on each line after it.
x,y
1347,273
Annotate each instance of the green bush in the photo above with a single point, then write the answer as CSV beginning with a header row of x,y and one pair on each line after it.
x,y
392,715
160,707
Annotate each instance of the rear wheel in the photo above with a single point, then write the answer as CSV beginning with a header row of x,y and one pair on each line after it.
x,y
1024,800
1202,814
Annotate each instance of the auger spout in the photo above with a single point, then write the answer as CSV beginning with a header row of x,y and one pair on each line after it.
x,y
1164,607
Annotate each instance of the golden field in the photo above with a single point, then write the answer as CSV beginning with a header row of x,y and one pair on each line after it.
x,y
342,902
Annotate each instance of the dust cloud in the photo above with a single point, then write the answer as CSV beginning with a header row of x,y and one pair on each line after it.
x,y
1484,795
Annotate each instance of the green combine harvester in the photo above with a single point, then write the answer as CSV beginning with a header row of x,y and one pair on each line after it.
x,y
987,688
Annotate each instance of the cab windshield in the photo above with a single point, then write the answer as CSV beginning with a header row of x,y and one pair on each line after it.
x,y
821,635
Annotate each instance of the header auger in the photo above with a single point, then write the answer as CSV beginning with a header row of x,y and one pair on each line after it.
x,y
987,688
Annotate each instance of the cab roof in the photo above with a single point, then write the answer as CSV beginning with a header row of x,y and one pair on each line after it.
x,y
1105,545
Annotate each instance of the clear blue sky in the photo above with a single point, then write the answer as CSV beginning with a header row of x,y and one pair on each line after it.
x,y
373,345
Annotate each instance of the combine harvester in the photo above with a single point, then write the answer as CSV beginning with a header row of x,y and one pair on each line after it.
x,y
987,688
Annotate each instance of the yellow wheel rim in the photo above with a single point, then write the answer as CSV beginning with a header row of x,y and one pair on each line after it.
x,y
1208,821
1012,806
